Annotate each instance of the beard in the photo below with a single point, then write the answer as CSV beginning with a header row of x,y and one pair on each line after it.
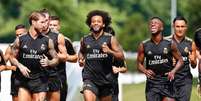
x,y
96,29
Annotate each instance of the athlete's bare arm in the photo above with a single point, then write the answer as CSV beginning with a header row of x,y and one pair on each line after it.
x,y
62,54
15,49
81,59
192,56
2,60
122,69
54,61
7,53
177,56
116,50
140,63
71,57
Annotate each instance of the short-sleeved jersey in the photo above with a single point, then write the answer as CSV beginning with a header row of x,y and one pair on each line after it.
x,y
158,59
98,65
31,51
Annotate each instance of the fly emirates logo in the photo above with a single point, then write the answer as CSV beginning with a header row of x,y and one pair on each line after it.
x,y
96,54
157,60
33,55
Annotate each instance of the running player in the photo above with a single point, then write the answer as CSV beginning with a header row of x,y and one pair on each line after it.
x,y
31,50
55,27
159,70
19,30
197,39
187,48
54,81
119,66
96,54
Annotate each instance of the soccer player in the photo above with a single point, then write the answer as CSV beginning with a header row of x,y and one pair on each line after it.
x,y
19,30
96,54
187,48
54,81
119,66
197,39
159,70
55,27
30,56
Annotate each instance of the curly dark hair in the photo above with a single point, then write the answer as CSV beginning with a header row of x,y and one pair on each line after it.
x,y
105,15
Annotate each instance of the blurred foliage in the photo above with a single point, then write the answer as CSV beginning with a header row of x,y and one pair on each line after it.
x,y
131,65
129,17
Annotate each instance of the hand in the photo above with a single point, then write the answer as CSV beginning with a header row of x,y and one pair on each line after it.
x,y
81,62
24,70
2,67
170,75
105,48
191,57
115,69
149,73
44,62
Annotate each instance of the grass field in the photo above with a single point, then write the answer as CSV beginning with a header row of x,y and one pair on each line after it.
x,y
135,92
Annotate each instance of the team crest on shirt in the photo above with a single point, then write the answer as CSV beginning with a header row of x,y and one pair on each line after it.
x,y
88,46
42,47
104,43
165,50
186,49
25,46
149,53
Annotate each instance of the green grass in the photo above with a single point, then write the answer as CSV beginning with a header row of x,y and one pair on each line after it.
x,y
135,92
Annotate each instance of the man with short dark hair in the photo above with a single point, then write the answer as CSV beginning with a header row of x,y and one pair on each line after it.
x,y
159,69
187,48
19,30
54,81
55,27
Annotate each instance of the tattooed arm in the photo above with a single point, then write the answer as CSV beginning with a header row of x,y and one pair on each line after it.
x,y
54,61
14,52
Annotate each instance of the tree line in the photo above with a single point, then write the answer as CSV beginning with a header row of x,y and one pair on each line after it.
x,y
129,17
